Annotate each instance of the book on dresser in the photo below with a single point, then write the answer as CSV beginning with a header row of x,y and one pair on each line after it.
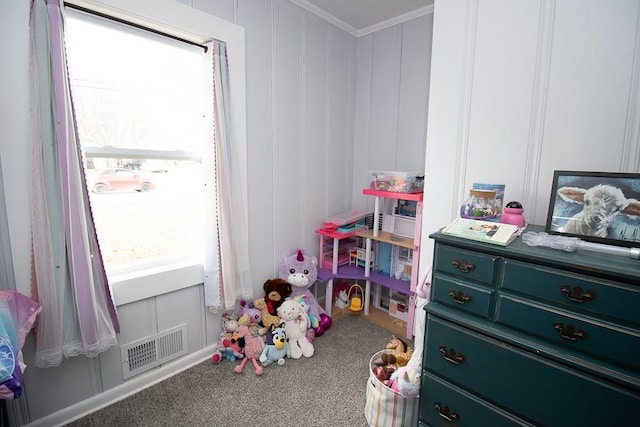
x,y
482,231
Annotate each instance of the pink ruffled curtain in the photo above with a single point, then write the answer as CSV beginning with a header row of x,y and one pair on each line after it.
x,y
78,315
227,270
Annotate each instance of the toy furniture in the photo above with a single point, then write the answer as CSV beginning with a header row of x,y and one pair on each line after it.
x,y
354,296
358,256
522,335
339,253
354,271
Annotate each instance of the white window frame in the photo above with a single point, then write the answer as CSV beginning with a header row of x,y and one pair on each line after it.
x,y
185,22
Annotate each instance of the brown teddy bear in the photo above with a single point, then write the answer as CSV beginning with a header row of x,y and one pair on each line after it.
x,y
276,290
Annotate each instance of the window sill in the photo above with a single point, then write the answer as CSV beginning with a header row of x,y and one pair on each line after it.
x,y
128,287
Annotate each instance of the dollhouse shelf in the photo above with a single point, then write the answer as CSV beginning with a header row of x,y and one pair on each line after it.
x,y
386,237
416,197
339,269
351,272
337,259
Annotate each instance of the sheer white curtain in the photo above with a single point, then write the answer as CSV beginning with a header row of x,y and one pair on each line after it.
x,y
78,315
227,271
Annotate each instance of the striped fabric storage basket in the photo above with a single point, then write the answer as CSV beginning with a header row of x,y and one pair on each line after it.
x,y
384,407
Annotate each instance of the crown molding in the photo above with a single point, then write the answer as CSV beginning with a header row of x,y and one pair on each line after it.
x,y
323,14
395,21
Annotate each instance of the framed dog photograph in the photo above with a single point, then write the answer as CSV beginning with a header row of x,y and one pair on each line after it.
x,y
598,207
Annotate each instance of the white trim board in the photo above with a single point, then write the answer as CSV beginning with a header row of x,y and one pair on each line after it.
x,y
310,7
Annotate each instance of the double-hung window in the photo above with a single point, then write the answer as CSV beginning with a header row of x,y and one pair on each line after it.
x,y
143,102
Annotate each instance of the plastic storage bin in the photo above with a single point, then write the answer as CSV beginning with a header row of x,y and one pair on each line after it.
x,y
397,182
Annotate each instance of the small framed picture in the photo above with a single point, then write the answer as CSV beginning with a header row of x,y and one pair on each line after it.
x,y
599,207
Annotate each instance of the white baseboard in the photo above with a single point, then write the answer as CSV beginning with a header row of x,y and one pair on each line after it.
x,y
124,390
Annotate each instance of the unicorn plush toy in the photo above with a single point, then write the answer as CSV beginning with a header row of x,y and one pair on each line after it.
x,y
301,272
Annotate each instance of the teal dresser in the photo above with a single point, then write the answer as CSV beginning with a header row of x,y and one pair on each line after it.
x,y
523,335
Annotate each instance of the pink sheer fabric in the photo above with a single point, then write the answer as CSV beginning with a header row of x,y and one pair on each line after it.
x,y
78,314
227,271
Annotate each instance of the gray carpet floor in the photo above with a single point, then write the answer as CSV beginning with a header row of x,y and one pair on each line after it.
x,y
327,389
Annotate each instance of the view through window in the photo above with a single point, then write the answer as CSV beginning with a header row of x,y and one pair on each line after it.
x,y
141,107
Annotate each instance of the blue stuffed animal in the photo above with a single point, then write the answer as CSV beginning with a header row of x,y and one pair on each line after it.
x,y
277,347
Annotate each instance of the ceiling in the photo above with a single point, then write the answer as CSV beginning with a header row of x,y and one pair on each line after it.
x,y
361,17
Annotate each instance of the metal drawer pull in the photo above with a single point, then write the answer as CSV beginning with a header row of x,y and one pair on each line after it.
x,y
569,332
462,265
451,355
459,297
446,413
576,294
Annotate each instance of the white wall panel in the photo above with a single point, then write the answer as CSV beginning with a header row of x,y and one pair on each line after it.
x,y
503,83
255,17
589,85
448,96
72,381
184,306
137,320
362,119
390,122
413,93
14,121
520,90
385,84
340,126
313,164
287,74
221,8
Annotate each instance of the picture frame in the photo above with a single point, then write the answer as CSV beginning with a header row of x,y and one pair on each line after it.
x,y
600,207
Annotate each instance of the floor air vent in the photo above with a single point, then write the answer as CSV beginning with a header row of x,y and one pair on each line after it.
x,y
149,352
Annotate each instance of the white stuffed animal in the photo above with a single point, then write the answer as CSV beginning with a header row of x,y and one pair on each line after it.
x,y
296,322
343,299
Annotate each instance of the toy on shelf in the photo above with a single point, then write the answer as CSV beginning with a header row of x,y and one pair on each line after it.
x,y
342,299
355,297
343,219
277,347
252,346
296,323
358,256
301,272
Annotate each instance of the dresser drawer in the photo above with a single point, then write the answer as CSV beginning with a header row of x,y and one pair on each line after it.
x,y
443,404
538,390
464,296
604,298
462,263
610,342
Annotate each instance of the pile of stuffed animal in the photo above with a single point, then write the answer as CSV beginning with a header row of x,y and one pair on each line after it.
x,y
283,323
397,369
